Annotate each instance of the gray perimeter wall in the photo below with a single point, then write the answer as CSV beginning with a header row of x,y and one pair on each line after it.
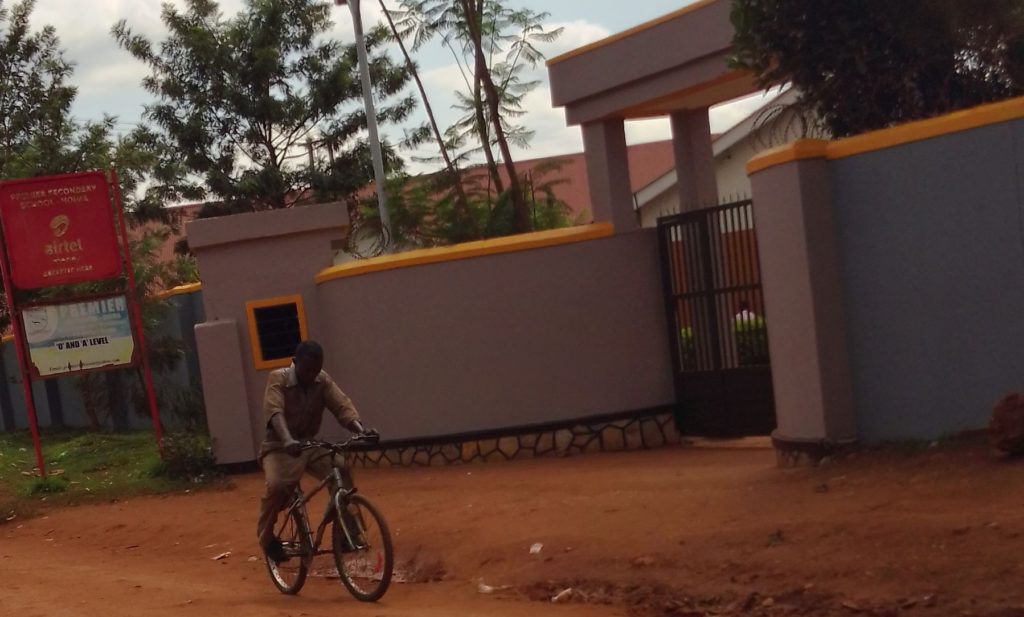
x,y
932,260
503,340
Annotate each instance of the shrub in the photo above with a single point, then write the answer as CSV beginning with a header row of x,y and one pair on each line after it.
x,y
688,349
1007,425
47,486
751,341
751,344
187,456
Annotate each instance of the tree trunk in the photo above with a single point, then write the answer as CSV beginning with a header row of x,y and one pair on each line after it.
x,y
6,402
474,22
94,418
485,135
88,387
460,192
118,402
54,402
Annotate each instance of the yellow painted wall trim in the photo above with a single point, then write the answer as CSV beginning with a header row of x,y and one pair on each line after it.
x,y
956,122
480,248
628,33
180,290
796,151
254,339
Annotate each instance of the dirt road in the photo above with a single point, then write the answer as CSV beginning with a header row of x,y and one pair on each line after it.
x,y
673,532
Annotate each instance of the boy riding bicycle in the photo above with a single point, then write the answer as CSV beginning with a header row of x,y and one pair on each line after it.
x,y
293,407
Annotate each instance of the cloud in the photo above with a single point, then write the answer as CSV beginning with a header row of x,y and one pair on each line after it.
x,y
106,76
727,115
440,82
79,32
575,34
722,118
341,16
101,81
551,134
643,131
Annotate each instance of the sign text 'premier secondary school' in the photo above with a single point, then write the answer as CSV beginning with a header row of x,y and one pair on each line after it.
x,y
59,231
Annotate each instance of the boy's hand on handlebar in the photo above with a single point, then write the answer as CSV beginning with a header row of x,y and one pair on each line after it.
x,y
367,436
361,433
293,448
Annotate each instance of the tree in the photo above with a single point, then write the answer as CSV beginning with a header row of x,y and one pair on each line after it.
x,y
105,395
34,102
34,94
421,218
491,44
473,13
451,177
240,102
39,137
37,133
862,65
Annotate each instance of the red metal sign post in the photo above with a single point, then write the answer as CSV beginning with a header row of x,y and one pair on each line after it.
x,y
26,383
61,231
133,302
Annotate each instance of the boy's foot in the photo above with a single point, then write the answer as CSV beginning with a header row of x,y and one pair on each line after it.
x,y
275,551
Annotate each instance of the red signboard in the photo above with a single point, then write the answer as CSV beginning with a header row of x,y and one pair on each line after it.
x,y
59,230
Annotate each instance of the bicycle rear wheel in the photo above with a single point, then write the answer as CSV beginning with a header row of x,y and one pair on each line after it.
x,y
364,556
289,576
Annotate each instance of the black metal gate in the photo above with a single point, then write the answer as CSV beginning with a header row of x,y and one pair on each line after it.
x,y
716,319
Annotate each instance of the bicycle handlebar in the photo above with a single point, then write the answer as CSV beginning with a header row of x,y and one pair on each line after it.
x,y
362,439
355,440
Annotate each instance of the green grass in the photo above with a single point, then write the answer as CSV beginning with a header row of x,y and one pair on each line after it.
x,y
81,467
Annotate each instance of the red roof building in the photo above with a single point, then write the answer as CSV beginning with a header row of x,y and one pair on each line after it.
x,y
647,162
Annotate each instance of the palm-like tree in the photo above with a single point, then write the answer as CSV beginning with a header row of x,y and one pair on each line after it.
x,y
491,43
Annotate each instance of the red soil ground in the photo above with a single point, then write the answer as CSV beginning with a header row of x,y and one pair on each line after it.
x,y
680,531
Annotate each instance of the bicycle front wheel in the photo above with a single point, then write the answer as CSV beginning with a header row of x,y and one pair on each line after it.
x,y
290,575
362,549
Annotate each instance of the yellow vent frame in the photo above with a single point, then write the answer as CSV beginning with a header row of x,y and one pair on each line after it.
x,y
254,338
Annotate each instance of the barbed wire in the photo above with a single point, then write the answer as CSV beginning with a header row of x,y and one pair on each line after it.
x,y
368,239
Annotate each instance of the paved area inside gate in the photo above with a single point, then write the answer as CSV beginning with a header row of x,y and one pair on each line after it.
x,y
680,531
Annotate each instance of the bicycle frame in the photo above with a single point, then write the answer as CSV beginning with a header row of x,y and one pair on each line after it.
x,y
335,504
364,568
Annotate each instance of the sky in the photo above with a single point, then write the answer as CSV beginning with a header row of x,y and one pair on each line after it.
x,y
108,78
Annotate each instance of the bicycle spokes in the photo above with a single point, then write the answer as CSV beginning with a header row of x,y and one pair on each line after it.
x,y
290,574
365,563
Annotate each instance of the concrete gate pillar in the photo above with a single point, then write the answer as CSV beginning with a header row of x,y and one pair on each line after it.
x,y
611,197
800,270
695,159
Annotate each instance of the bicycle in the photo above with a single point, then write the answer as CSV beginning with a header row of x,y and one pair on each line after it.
x,y
360,540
